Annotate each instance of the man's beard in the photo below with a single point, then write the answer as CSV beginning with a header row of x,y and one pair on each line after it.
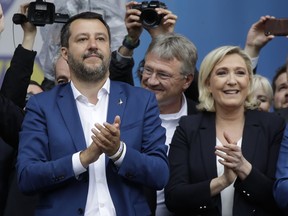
x,y
88,74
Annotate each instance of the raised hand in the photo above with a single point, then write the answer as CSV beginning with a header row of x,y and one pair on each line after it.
x,y
233,158
107,137
167,24
256,39
132,21
29,29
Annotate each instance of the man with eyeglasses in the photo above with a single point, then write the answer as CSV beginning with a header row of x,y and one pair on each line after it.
x,y
167,70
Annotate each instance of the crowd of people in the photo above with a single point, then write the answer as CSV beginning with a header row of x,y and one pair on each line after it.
x,y
188,141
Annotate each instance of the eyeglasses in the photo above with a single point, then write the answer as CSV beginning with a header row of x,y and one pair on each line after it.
x,y
161,76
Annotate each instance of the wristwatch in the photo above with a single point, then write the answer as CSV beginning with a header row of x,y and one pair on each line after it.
x,y
127,42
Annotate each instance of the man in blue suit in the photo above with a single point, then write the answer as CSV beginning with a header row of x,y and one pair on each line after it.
x,y
281,185
75,162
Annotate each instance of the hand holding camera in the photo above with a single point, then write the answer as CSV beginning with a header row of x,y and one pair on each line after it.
x,y
40,13
149,16
153,16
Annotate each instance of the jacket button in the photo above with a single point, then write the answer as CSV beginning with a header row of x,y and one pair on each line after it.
x,y
80,211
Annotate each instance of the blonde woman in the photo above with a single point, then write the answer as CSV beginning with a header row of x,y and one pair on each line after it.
x,y
262,91
222,160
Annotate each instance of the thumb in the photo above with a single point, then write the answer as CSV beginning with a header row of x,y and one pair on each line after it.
x,y
117,121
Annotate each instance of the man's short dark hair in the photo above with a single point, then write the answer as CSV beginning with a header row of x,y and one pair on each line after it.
x,y
65,31
278,72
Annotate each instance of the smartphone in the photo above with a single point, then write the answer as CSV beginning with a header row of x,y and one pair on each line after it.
x,y
276,27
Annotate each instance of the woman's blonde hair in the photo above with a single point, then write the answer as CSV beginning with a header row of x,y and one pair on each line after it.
x,y
262,82
206,100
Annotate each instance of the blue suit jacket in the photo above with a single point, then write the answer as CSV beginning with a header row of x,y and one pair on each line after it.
x,y
52,133
281,185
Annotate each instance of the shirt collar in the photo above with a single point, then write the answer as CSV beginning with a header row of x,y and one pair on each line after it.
x,y
78,96
183,111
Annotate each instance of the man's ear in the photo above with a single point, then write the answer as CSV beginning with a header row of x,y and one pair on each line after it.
x,y
188,80
64,53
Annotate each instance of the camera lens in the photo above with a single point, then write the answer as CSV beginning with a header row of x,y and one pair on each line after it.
x,y
150,18
39,15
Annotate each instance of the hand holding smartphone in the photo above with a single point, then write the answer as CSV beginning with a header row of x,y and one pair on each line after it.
x,y
276,27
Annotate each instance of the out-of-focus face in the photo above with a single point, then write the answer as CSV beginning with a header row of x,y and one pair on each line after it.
x,y
34,89
261,96
62,72
88,54
280,99
229,83
164,79
1,19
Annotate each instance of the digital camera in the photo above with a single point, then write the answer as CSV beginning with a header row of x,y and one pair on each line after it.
x,y
41,13
149,17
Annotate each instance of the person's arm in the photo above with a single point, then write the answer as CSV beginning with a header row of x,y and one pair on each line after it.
x,y
18,75
135,28
256,39
281,185
11,119
190,188
257,187
121,69
122,61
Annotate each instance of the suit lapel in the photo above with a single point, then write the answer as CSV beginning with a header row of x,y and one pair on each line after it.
x,y
250,136
116,105
208,141
117,102
68,109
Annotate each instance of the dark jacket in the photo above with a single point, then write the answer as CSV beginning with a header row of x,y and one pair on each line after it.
x,y
12,102
193,165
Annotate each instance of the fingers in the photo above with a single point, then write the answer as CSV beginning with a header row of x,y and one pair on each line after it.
x,y
117,122
230,154
226,159
168,17
24,8
132,21
107,136
132,14
130,4
90,155
229,148
104,133
103,139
